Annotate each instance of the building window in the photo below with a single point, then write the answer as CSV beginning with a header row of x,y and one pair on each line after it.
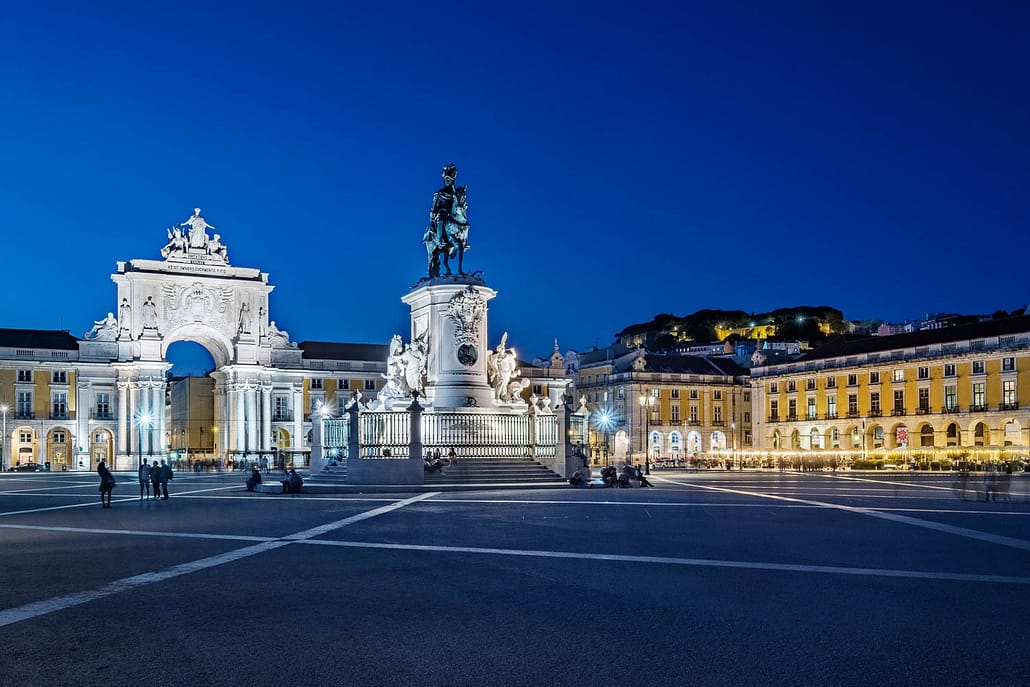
x,y
538,389
747,417
316,383
852,380
25,437
24,375
774,410
1008,364
852,405
978,367
923,373
655,393
924,400
620,394
899,402
792,409
693,394
343,384
24,409
831,406
810,385
1008,394
899,375
979,396
59,377
717,395
103,405
100,438
59,405
674,393
792,386
950,398
874,377
874,403
370,385
949,369
694,418
831,382
747,397
811,408
59,437
717,415
774,388
675,409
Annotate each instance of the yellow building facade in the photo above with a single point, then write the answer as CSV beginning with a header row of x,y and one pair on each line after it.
x,y
938,396
693,406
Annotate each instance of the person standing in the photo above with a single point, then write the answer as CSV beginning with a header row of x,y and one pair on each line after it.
x,y
106,484
144,479
155,479
166,476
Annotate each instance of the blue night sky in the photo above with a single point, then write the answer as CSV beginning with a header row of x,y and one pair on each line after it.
x,y
622,159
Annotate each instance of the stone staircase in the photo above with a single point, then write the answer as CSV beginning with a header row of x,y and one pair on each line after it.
x,y
467,474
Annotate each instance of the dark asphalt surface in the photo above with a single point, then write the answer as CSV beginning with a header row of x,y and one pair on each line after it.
x,y
707,579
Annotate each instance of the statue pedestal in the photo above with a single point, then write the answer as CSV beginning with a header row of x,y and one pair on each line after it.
x,y
451,313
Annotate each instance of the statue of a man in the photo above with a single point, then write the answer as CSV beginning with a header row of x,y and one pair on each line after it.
x,y
198,229
448,224
150,314
501,368
216,247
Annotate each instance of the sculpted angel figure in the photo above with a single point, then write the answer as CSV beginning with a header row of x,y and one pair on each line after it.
x,y
416,359
395,375
501,368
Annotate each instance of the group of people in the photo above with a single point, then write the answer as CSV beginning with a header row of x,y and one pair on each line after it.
x,y
435,462
996,483
612,477
156,476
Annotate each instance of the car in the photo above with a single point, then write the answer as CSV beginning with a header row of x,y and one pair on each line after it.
x,y
27,467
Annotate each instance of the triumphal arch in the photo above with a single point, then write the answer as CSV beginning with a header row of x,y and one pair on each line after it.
x,y
195,294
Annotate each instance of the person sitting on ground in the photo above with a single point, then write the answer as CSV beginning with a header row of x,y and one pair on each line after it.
x,y
452,456
640,476
608,476
576,479
292,482
432,463
254,479
626,475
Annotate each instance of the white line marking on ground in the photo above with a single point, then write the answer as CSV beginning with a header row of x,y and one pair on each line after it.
x,y
59,603
322,529
700,562
904,519
141,533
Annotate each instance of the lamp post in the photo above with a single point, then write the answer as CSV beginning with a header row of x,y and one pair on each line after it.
x,y
604,422
3,440
647,402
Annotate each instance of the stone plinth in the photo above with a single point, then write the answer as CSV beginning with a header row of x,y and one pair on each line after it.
x,y
451,314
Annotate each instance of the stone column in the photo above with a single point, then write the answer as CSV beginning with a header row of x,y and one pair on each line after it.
x,y
266,417
297,439
353,445
160,421
239,422
124,419
415,429
134,410
317,453
252,419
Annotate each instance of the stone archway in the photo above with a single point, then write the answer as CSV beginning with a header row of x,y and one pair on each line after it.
x,y
194,294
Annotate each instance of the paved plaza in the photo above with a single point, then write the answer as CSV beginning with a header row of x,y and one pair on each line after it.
x,y
707,579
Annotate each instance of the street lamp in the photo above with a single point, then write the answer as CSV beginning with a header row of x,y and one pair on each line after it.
x,y
604,422
647,402
141,420
3,440
733,444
